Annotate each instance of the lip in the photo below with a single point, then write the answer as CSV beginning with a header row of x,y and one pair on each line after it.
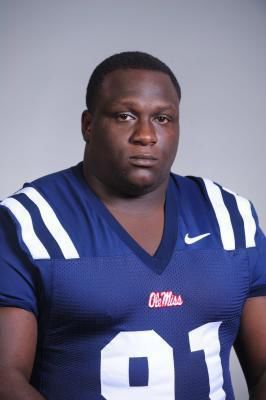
x,y
143,160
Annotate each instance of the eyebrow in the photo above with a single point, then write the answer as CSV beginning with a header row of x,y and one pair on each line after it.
x,y
131,104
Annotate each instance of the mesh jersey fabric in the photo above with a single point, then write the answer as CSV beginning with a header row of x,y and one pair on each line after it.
x,y
115,322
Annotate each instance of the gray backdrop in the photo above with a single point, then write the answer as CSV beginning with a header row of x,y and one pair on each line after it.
x,y
216,48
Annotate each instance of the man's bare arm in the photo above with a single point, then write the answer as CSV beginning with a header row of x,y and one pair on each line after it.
x,y
251,346
18,338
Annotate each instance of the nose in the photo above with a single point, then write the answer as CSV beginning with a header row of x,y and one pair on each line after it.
x,y
144,134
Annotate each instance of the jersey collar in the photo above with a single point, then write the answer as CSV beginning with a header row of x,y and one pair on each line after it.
x,y
159,261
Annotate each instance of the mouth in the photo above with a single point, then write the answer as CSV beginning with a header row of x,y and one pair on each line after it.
x,y
143,160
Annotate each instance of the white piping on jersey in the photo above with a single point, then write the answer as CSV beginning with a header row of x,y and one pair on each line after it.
x,y
244,208
29,237
222,215
52,223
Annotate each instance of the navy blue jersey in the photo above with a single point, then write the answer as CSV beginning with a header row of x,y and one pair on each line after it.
x,y
114,322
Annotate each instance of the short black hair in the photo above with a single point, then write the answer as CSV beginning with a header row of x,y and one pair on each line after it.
x,y
125,60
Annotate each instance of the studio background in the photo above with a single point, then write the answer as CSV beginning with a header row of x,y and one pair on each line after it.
x,y
216,49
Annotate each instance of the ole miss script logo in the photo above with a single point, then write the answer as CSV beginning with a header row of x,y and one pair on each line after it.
x,y
164,299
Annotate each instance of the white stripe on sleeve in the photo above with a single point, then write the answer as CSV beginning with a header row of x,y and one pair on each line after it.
x,y
52,223
222,214
244,208
29,237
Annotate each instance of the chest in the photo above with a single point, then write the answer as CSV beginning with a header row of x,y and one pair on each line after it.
x,y
122,293
114,315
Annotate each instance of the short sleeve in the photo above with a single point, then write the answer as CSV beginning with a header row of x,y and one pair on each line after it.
x,y
257,262
17,273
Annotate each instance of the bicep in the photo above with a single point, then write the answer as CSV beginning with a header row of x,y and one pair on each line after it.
x,y
250,345
18,338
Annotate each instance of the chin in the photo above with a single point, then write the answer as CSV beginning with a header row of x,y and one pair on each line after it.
x,y
140,184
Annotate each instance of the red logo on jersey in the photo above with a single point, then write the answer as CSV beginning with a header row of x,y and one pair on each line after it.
x,y
164,299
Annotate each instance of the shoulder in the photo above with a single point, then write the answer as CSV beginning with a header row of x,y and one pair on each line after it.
x,y
234,215
39,213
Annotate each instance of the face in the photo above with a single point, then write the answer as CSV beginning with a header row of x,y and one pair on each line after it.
x,y
132,134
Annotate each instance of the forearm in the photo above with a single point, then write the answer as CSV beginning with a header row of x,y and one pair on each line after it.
x,y
258,392
14,386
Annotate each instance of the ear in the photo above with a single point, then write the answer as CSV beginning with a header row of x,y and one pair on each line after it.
x,y
86,120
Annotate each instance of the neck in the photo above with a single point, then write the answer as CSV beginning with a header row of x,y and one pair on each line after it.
x,y
143,203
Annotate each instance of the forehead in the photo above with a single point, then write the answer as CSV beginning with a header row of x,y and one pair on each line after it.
x,y
137,84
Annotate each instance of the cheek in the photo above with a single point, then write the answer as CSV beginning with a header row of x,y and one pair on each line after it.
x,y
169,144
110,136
101,141
110,150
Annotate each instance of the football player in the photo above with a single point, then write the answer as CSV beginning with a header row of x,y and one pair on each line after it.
x,y
121,280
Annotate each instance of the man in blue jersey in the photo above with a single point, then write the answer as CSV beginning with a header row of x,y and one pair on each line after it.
x,y
121,280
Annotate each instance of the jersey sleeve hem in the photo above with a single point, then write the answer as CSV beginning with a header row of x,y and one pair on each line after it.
x,y
258,291
21,305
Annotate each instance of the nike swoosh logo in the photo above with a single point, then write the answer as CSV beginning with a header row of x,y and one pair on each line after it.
x,y
191,240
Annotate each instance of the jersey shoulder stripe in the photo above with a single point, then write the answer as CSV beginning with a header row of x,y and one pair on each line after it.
x,y
244,207
51,222
222,214
26,219
234,216
29,237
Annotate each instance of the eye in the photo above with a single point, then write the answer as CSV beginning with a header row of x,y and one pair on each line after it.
x,y
162,119
124,117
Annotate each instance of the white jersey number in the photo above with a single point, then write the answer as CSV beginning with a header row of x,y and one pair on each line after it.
x,y
161,383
